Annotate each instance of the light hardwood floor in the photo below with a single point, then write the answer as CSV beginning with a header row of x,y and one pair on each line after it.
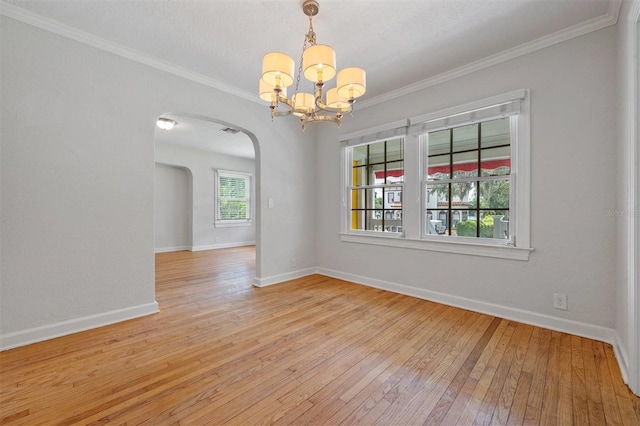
x,y
312,351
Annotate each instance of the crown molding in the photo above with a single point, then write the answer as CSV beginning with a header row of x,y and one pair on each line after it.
x,y
58,28
38,21
611,18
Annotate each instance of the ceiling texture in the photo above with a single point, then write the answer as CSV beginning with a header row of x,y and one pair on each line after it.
x,y
403,45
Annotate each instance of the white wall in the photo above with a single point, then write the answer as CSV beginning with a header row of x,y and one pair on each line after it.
x,y
77,188
573,163
202,165
627,298
172,208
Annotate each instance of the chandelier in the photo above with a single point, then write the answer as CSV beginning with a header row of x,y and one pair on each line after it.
x,y
318,65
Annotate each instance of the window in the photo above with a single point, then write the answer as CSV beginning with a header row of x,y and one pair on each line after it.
x,y
233,198
377,176
466,167
468,180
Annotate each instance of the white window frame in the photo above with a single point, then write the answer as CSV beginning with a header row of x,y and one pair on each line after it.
x,y
232,222
394,130
517,249
350,188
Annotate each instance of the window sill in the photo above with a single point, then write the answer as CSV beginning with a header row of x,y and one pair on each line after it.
x,y
231,224
486,250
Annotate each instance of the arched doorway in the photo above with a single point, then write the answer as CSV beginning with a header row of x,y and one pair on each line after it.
x,y
207,148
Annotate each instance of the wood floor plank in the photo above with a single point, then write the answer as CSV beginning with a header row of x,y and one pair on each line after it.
x,y
508,392
549,414
474,406
592,382
578,382
314,350
536,392
565,385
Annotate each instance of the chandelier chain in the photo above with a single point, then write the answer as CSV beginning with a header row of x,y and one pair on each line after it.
x,y
304,46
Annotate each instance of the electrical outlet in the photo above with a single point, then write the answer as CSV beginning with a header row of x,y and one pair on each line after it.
x,y
293,261
560,301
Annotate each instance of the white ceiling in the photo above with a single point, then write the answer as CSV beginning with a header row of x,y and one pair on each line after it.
x,y
198,133
400,43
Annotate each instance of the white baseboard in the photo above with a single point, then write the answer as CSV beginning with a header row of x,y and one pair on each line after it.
x,y
276,279
63,328
590,331
169,249
222,245
621,356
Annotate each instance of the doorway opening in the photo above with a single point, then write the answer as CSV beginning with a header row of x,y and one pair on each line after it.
x,y
199,204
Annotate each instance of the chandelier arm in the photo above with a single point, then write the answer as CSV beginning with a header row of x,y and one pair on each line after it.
x,y
327,108
280,113
314,118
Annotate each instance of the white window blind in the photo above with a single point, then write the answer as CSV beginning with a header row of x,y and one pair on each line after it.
x,y
233,197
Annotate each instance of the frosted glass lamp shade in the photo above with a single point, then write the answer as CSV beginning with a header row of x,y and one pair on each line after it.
x,y
304,103
352,82
336,101
268,93
319,63
278,69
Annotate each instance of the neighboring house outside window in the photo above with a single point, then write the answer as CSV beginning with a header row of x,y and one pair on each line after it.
x,y
233,198
466,167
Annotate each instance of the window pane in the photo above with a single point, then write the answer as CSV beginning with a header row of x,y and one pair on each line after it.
x,y
376,194
494,194
439,143
437,195
393,198
465,138
232,187
496,133
394,150
438,167
395,172
465,165
376,174
496,161
494,224
358,221
376,152
358,198
464,194
233,210
360,155
433,224
374,220
500,228
359,175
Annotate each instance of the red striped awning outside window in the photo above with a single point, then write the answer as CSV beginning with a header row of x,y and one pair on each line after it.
x,y
457,167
